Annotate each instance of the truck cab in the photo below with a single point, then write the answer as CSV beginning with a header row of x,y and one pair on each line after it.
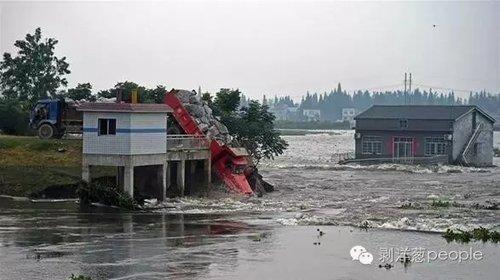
x,y
45,118
52,118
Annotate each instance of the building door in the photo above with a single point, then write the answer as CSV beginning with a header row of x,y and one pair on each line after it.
x,y
403,147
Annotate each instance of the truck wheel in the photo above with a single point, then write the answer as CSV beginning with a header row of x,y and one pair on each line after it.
x,y
46,131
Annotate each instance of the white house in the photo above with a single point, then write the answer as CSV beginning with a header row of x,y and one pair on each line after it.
x,y
311,114
348,115
125,135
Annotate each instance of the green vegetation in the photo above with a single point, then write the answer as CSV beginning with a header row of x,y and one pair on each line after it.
x,y
97,192
79,277
331,103
41,168
410,205
81,92
146,95
14,119
440,203
477,234
35,72
252,126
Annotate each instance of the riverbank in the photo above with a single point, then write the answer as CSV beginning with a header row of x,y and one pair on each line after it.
x,y
35,168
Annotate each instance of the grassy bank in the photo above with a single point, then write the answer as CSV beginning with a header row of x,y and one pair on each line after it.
x,y
40,168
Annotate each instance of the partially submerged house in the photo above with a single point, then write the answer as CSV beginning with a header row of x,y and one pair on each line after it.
x,y
424,134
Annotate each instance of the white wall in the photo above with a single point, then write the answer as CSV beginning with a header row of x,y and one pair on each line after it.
x,y
137,133
151,142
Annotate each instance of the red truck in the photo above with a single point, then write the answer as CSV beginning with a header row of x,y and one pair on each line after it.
x,y
229,163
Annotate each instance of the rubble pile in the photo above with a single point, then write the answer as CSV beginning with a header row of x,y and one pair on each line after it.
x,y
214,129
202,115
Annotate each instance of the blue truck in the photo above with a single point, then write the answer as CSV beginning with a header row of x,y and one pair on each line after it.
x,y
53,118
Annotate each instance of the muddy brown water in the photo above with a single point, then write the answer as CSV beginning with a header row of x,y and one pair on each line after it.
x,y
275,237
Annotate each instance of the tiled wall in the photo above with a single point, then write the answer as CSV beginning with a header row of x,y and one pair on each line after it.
x,y
137,133
152,142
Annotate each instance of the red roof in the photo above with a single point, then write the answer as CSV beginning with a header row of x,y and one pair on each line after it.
x,y
124,107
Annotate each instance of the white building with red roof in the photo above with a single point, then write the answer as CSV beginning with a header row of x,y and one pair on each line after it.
x,y
126,135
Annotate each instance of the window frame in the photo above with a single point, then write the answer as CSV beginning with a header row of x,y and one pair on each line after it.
x,y
371,145
435,146
109,124
403,123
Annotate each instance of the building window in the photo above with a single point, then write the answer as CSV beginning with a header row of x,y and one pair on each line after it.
x,y
403,123
107,126
372,145
435,146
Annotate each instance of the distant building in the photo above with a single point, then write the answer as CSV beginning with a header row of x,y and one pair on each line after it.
x,y
311,114
446,134
285,113
292,113
348,115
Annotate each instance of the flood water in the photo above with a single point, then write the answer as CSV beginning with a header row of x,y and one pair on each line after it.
x,y
274,237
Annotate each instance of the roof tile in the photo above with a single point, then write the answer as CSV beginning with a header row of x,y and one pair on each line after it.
x,y
124,107
420,112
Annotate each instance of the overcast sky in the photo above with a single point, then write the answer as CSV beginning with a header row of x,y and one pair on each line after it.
x,y
268,47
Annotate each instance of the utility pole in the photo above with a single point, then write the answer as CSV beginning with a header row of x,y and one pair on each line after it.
x,y
405,87
409,87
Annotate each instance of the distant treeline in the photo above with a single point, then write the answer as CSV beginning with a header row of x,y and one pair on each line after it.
x,y
332,103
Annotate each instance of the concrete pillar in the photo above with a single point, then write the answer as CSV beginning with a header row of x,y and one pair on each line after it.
x,y
207,167
167,175
192,167
119,177
128,180
164,179
86,172
181,176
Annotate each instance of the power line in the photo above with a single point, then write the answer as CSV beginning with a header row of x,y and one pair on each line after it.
x,y
383,87
445,88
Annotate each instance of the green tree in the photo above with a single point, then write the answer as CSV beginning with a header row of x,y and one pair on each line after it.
x,y
252,126
208,99
13,119
81,92
125,88
35,72
226,101
145,95
155,95
256,132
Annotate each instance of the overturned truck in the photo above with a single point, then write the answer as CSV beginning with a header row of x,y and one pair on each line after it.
x,y
232,165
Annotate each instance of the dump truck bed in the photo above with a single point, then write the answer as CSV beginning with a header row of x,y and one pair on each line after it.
x,y
226,161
